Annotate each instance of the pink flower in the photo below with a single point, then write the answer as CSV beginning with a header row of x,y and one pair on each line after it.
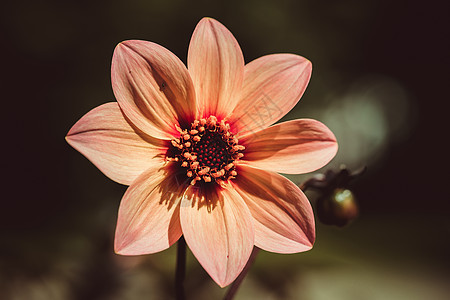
x,y
199,152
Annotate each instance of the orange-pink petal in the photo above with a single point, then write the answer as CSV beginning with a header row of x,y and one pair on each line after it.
x,y
218,228
293,147
153,88
216,65
284,220
111,143
149,219
273,84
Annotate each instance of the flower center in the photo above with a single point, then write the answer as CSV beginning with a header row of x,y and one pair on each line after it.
x,y
207,150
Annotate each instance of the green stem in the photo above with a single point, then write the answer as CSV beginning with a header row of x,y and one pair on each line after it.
x,y
180,269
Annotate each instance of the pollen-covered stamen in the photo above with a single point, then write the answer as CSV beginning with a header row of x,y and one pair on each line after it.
x,y
208,151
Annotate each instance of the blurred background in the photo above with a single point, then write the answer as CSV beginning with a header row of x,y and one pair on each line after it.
x,y
380,80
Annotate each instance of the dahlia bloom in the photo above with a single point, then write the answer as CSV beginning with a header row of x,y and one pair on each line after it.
x,y
199,151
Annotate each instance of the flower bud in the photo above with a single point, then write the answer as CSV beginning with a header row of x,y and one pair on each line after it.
x,y
337,208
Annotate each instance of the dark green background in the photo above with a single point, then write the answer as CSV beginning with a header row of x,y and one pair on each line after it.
x,y
58,211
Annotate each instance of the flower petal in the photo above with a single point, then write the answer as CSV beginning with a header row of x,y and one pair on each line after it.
x,y
218,229
273,84
216,65
153,88
108,140
293,147
284,220
149,219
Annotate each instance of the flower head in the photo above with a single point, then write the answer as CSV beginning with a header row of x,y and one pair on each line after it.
x,y
199,151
